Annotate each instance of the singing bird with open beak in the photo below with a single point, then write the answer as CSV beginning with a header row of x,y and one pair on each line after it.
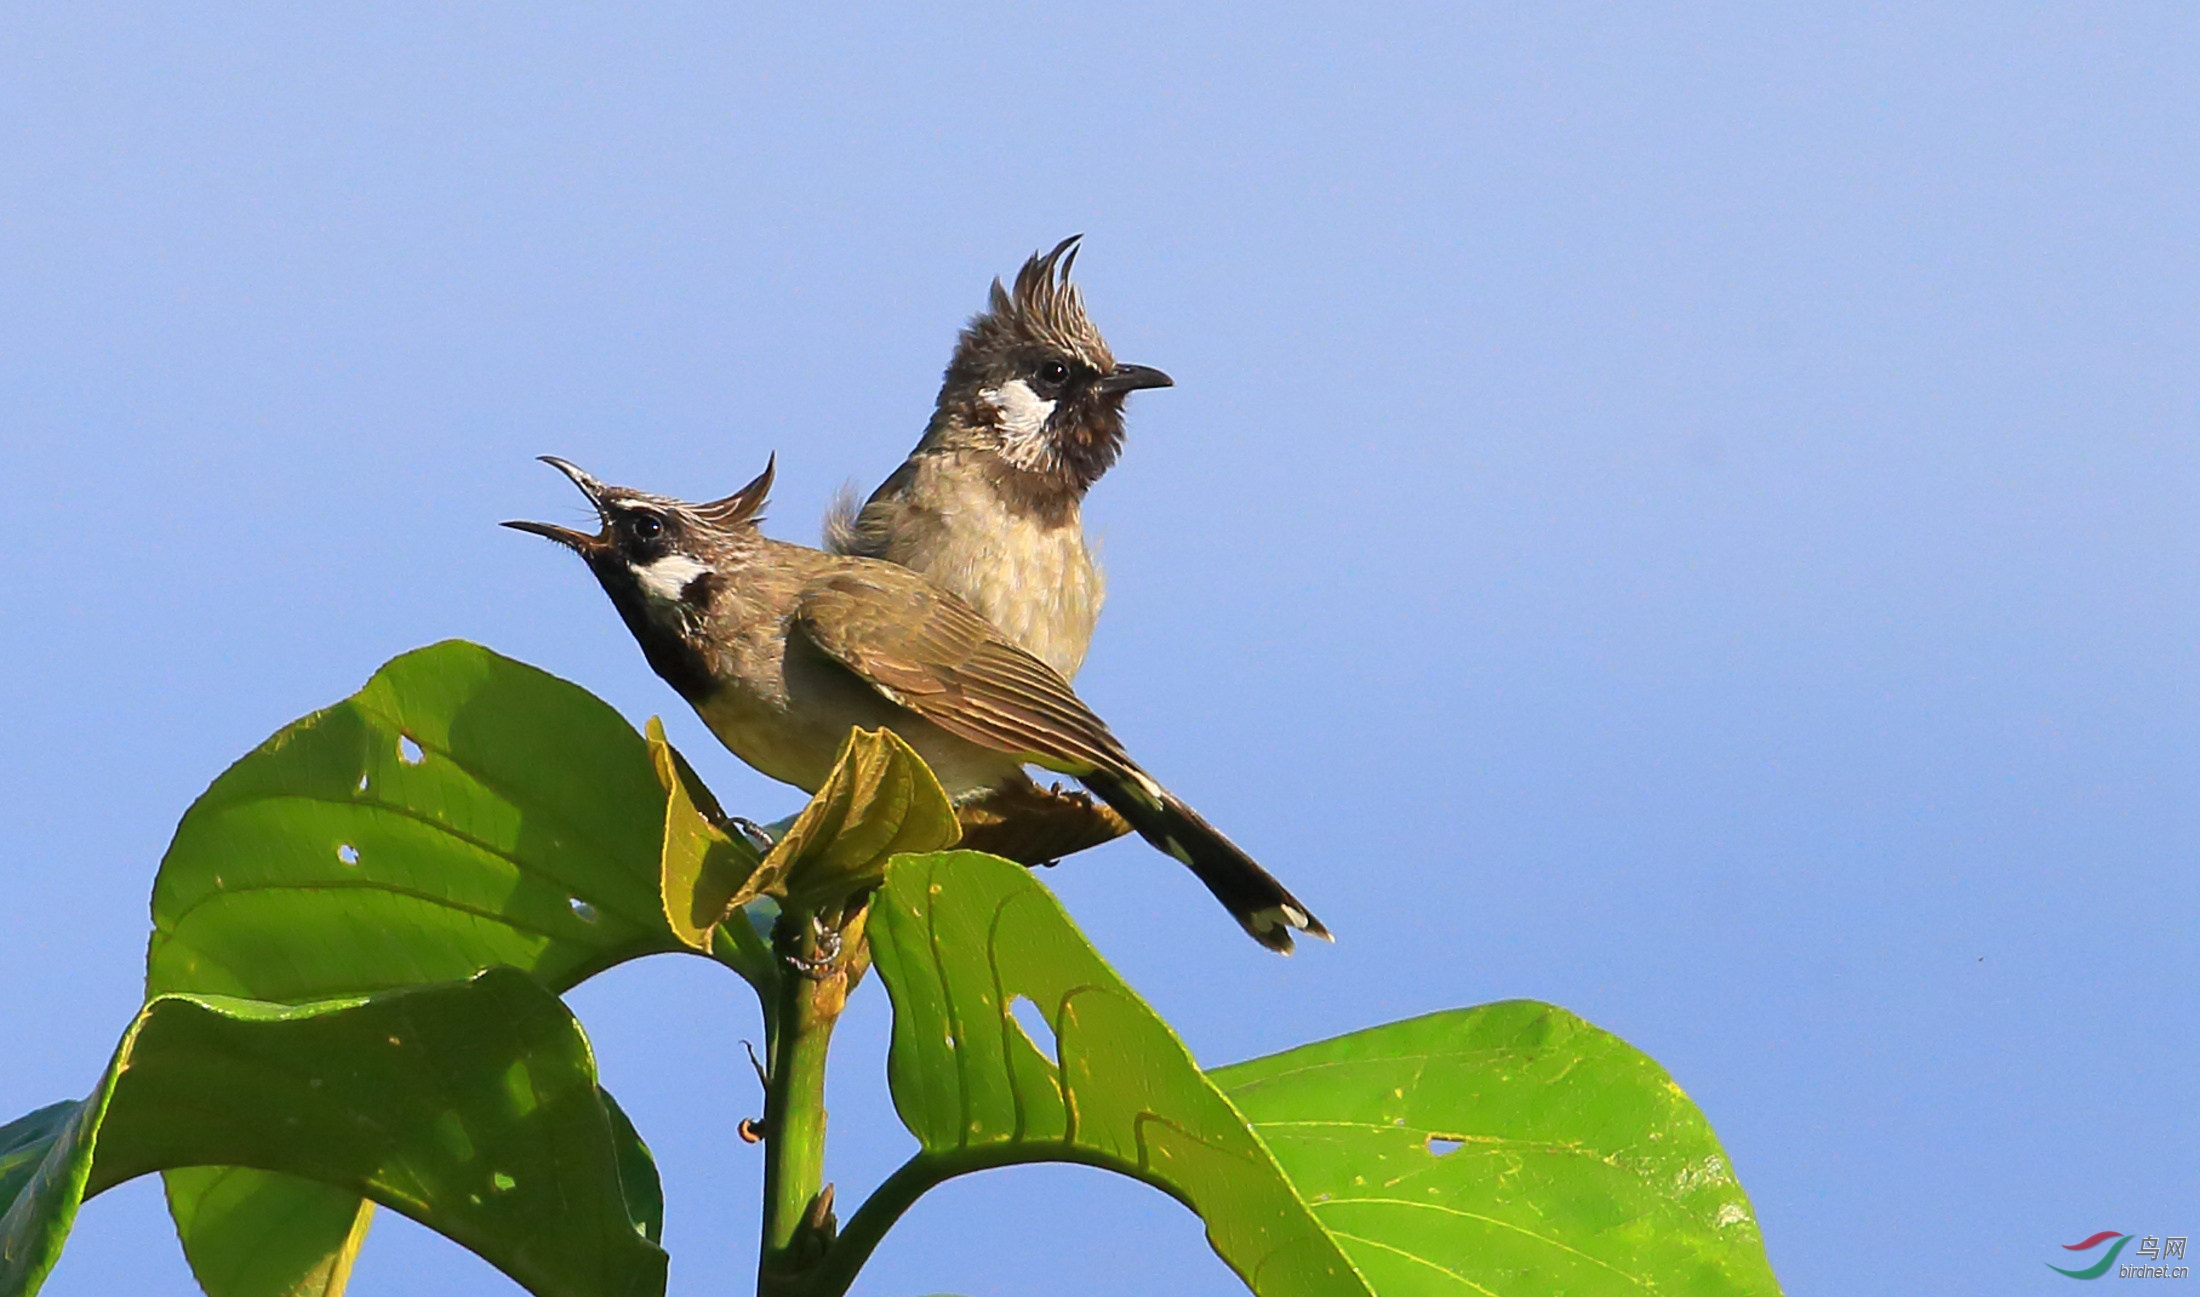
x,y
781,649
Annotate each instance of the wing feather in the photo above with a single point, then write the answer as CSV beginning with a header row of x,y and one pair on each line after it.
x,y
932,653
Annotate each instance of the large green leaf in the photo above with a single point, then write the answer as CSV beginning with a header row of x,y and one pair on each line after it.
x,y
471,1107
462,811
958,938
1509,1149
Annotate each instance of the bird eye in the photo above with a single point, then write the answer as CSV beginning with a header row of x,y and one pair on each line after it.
x,y
1053,373
644,527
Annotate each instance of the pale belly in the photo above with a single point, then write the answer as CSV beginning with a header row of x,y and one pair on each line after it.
x,y
795,738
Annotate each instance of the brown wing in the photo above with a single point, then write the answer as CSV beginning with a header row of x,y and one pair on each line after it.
x,y
930,652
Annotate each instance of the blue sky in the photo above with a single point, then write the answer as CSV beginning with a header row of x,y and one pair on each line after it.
x,y
1687,513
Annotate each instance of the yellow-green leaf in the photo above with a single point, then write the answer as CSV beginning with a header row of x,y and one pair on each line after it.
x,y
706,872
881,800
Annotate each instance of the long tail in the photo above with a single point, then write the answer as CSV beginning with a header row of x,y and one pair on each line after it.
x,y
1265,908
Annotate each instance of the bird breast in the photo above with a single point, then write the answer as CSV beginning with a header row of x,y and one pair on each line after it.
x,y
1028,574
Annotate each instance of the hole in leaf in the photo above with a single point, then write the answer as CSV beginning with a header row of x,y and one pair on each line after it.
x,y
1439,1145
408,751
502,1183
582,910
1034,1022
362,781
348,854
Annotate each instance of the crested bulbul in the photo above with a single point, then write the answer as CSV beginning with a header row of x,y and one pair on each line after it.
x,y
781,649
989,504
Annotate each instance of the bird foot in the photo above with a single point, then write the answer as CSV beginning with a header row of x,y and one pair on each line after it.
x,y
1077,795
750,830
827,943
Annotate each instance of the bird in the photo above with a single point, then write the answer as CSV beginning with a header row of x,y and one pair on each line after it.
x,y
989,505
781,649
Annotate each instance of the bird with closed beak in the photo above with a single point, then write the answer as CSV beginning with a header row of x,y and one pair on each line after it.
x,y
989,504
781,649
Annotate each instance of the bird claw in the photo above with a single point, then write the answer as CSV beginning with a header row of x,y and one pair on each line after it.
x,y
753,832
1077,795
828,944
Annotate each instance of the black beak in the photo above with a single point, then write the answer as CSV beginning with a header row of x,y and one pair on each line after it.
x,y
575,540
1131,378
589,486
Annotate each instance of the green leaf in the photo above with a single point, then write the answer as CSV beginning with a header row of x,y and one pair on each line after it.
x,y
880,800
958,938
462,811
247,1231
706,871
471,1107
1509,1149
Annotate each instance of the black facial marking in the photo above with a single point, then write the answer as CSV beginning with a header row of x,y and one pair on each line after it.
x,y
641,533
677,661
699,592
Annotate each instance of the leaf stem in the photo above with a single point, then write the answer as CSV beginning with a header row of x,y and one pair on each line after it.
x,y
798,1226
852,1247
837,1270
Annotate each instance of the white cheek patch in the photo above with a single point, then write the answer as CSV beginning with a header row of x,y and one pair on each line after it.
x,y
668,577
1023,414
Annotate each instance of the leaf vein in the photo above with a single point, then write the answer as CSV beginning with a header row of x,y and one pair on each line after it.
x,y
1419,1260
408,813
1487,1220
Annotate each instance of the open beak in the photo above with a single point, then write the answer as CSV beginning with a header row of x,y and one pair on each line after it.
x,y
579,541
1132,378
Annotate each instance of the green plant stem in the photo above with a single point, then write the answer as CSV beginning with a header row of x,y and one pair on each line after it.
x,y
836,1272
794,1104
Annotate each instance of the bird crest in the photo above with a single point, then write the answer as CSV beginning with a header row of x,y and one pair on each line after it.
x,y
745,506
1044,311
